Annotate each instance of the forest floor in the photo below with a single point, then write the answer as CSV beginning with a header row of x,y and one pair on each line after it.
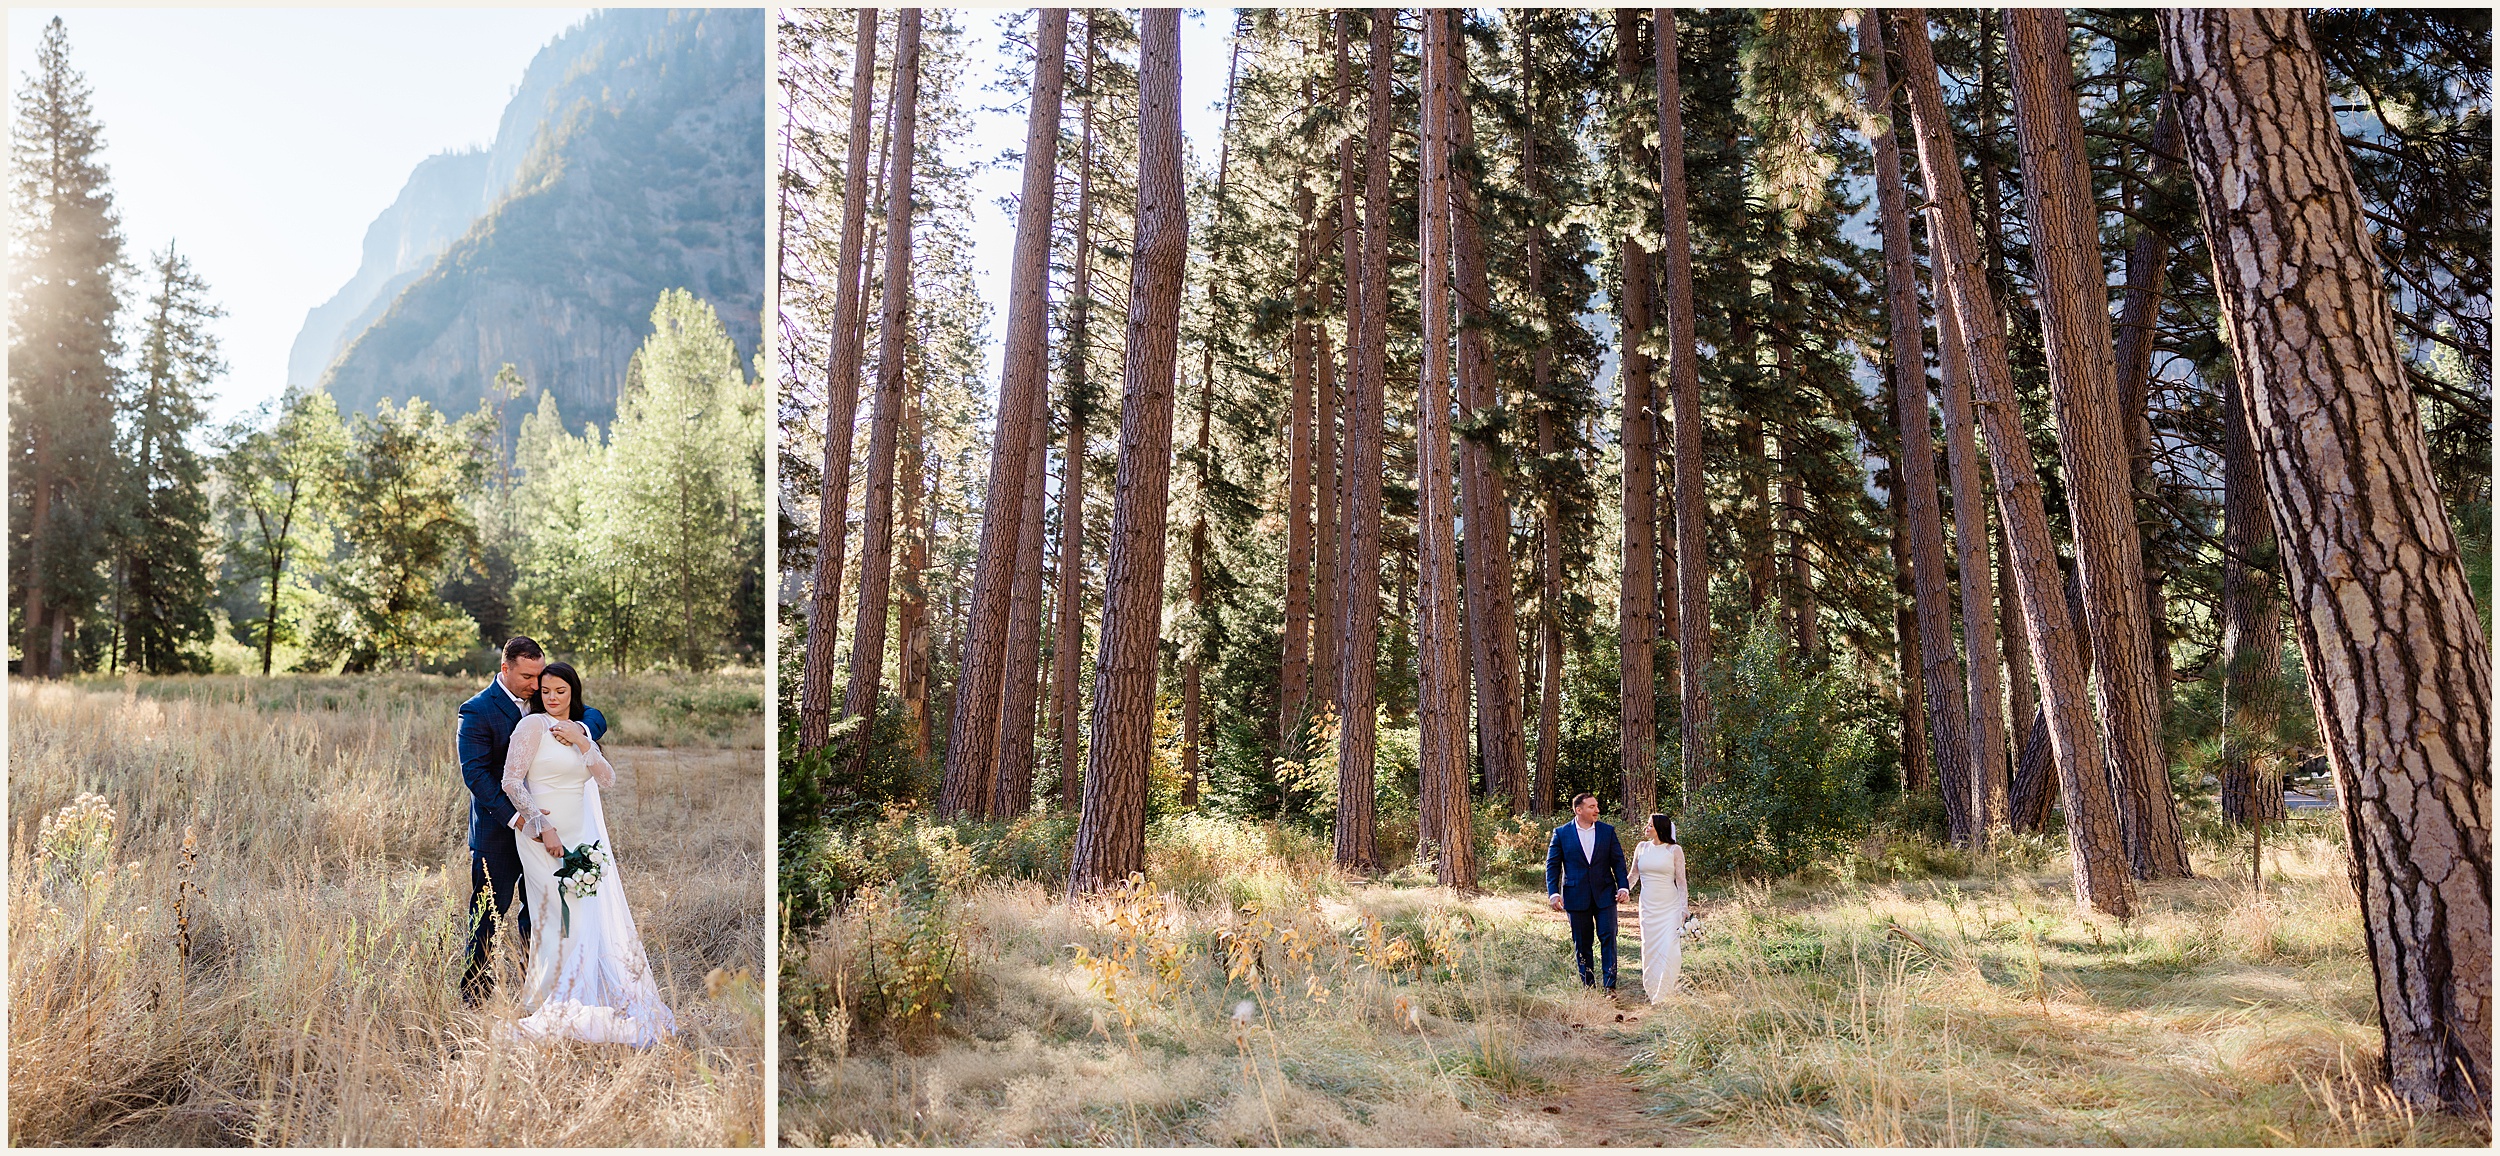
x,y
1255,996
262,943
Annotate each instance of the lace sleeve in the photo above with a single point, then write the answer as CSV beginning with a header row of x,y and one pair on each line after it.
x,y
597,762
516,770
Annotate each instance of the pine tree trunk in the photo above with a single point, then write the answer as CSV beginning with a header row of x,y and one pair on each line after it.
x,y
1012,790
1807,625
2022,689
2099,853
1358,645
876,552
2399,664
2092,434
1917,770
1293,668
1637,607
1023,400
1440,660
1549,529
2147,266
2252,630
1492,617
1692,510
1941,680
1111,830
1193,656
1324,480
1755,518
1070,642
911,598
1987,775
841,408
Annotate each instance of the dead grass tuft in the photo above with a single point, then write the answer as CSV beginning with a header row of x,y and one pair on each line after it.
x,y
306,838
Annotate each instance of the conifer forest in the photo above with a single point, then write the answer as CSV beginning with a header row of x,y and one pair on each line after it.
x,y
2046,451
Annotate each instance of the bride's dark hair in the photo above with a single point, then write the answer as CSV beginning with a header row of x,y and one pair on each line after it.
x,y
565,671
1660,822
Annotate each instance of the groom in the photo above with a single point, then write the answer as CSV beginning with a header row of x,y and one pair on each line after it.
x,y
486,723
1582,867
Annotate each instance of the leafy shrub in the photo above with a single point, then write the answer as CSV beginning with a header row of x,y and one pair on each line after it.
x,y
822,870
1791,787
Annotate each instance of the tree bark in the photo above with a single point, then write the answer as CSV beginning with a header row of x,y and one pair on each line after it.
x,y
1492,616
876,551
2092,434
1441,664
1012,793
1941,680
1023,398
1987,776
1359,575
2099,854
2147,266
1111,829
911,595
1549,541
2252,631
1692,510
2023,692
2399,664
1293,668
841,406
1071,593
1917,770
1637,606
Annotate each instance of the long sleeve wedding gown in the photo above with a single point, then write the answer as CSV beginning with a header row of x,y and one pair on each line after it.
x,y
590,981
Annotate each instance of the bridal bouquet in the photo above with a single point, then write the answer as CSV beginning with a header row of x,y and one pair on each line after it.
x,y
577,875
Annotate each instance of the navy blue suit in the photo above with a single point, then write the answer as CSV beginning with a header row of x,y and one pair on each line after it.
x,y
1587,883
486,723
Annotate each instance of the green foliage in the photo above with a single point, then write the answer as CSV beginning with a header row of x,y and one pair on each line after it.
x,y
404,526
825,869
65,260
1791,788
277,469
162,582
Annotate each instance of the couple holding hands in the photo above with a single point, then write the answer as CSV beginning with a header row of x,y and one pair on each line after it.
x,y
1586,876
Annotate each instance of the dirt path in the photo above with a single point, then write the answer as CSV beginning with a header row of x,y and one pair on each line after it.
x,y
1602,1106
1603,1109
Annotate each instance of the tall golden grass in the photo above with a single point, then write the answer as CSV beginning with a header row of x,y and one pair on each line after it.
x,y
1255,996
262,943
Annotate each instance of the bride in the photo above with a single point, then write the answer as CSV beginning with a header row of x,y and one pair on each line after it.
x,y
588,978
1658,874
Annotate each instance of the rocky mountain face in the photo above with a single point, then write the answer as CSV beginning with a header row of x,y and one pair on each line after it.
x,y
630,161
438,204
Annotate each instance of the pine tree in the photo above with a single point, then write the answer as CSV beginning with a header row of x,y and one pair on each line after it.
x,y
1111,830
162,595
2092,436
2399,664
842,386
65,255
973,726
681,492
876,556
2100,877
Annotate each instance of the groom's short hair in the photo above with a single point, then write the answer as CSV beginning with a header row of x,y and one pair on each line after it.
x,y
521,646
1575,799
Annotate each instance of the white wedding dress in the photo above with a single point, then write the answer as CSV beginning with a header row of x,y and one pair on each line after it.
x,y
1659,867
591,981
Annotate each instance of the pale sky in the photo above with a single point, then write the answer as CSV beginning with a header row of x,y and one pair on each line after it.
x,y
263,141
1204,42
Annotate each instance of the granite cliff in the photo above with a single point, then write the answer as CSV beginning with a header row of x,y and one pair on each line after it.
x,y
629,161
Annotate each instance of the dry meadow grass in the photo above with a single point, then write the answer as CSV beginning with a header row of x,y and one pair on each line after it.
x,y
262,944
1257,997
